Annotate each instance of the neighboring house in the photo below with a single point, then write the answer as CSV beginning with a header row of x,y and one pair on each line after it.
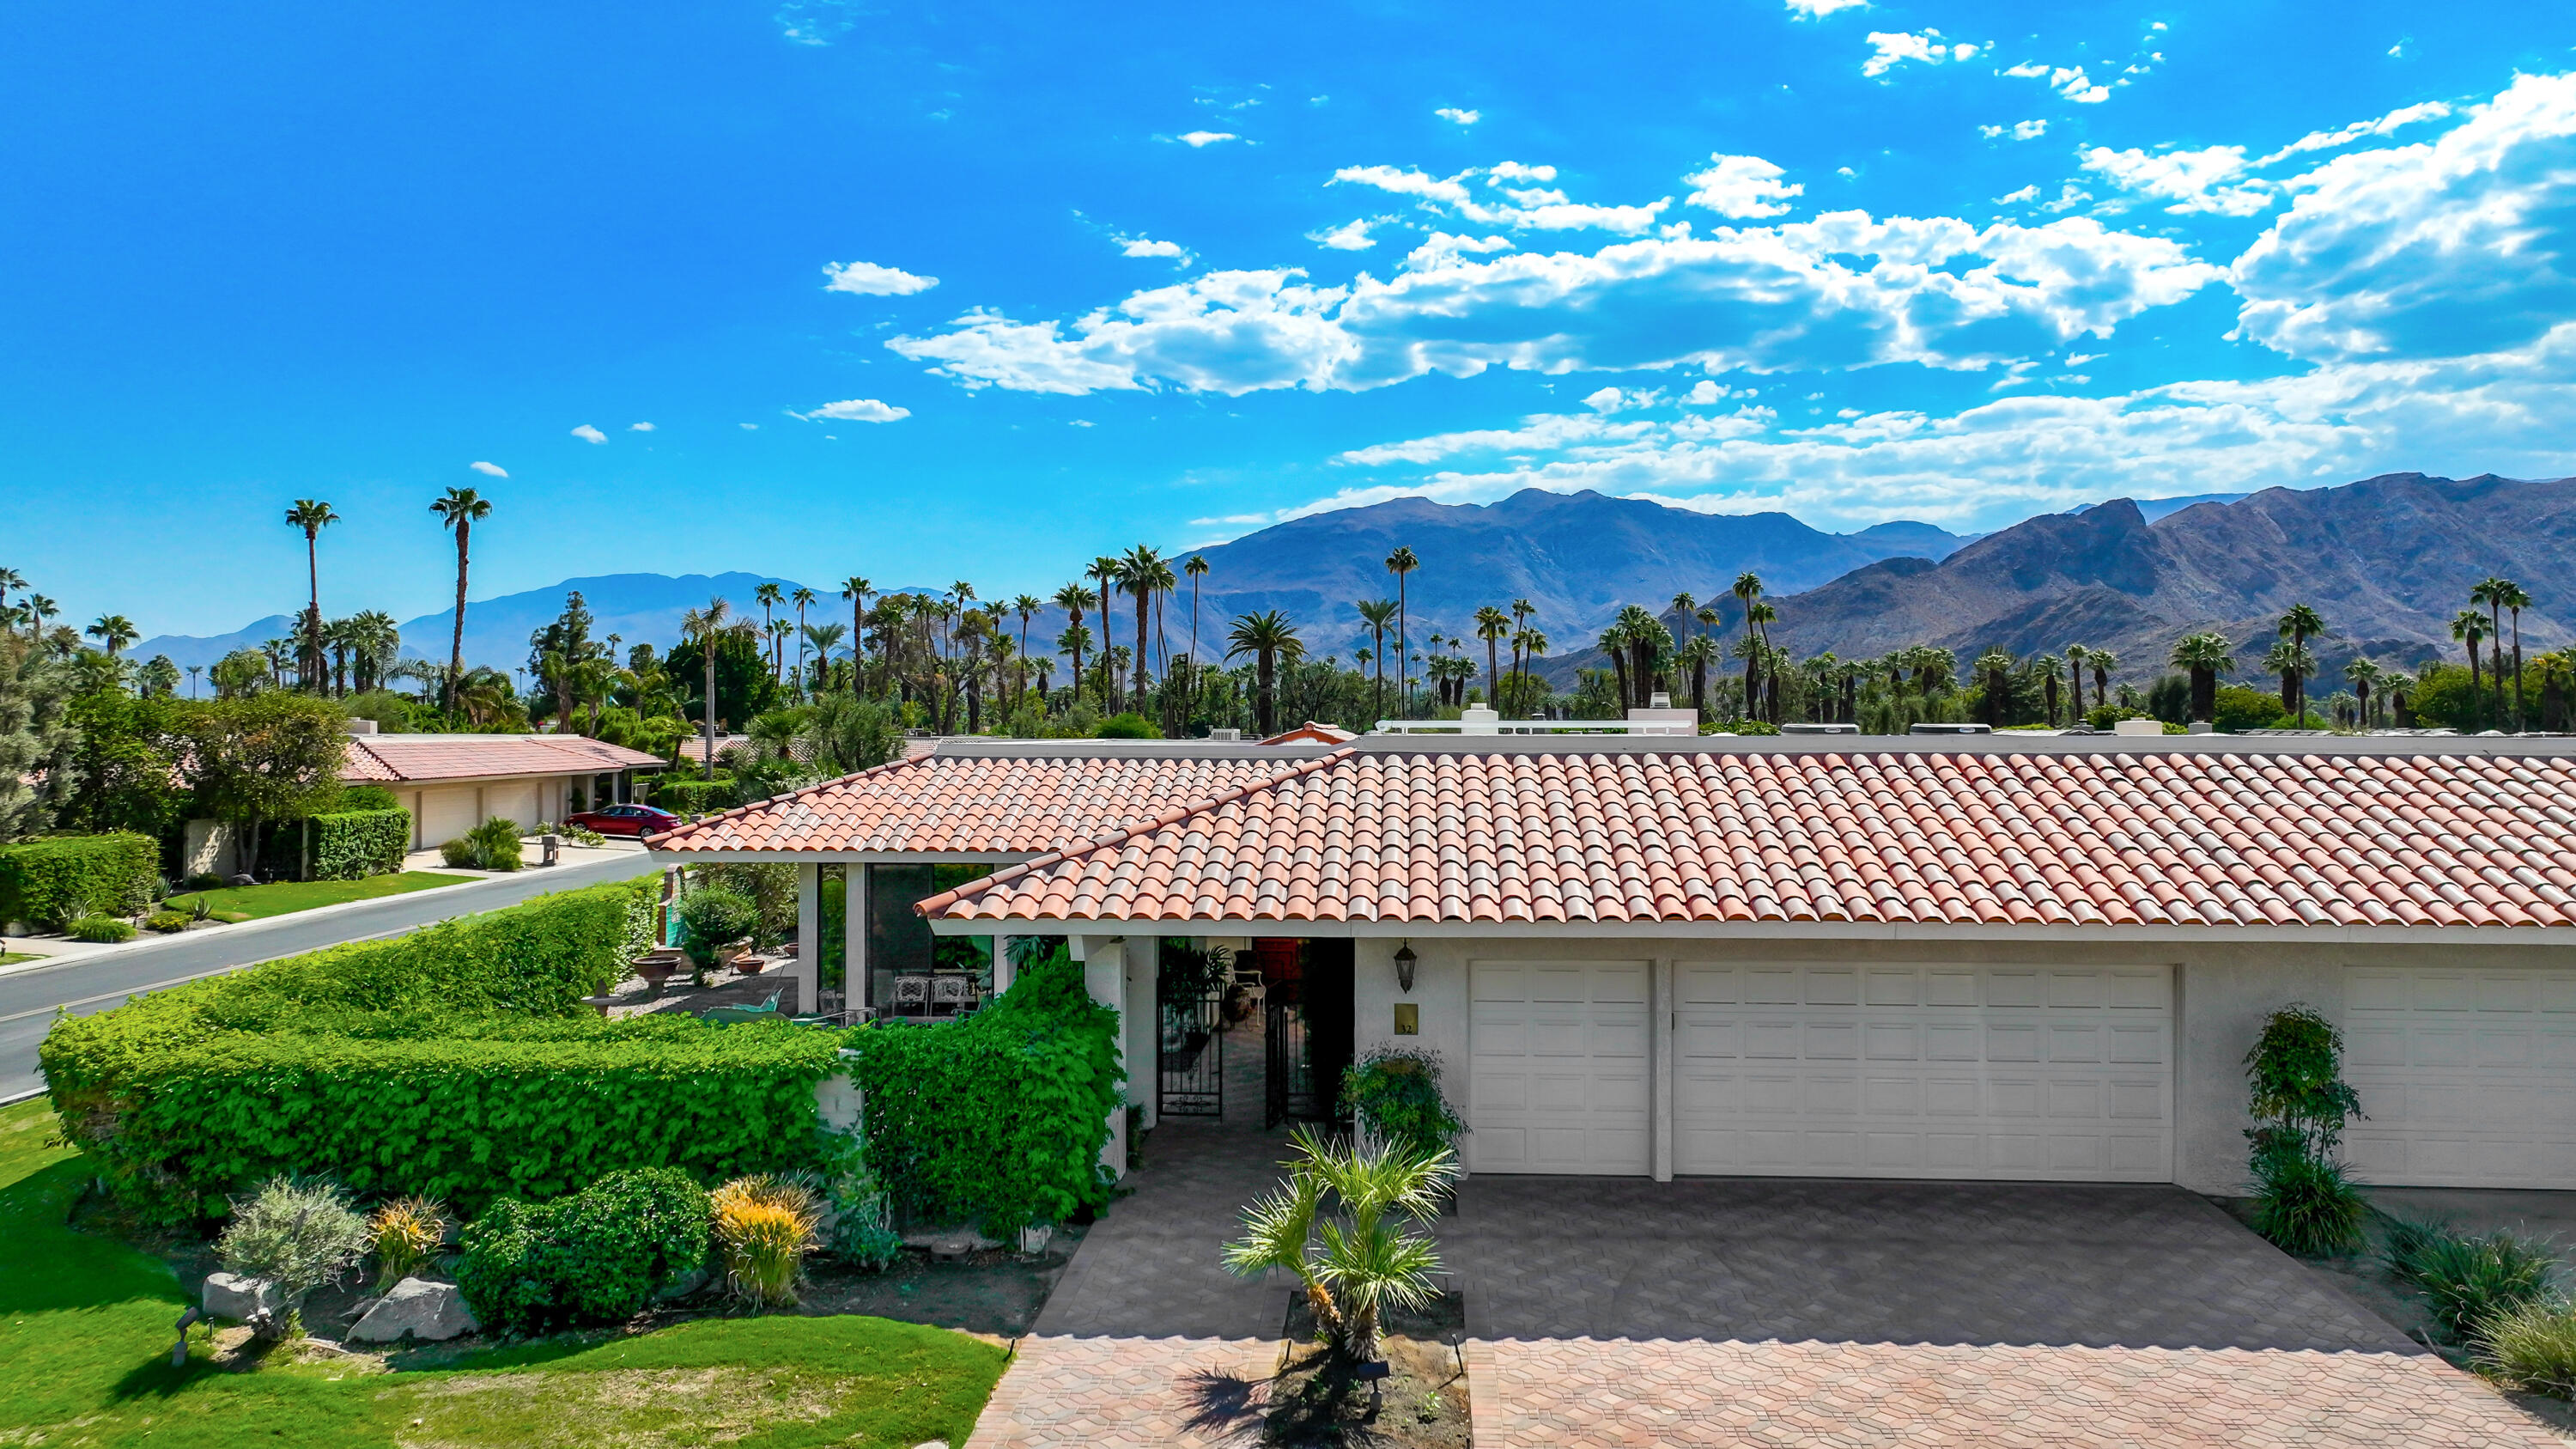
x,y
452,783
1313,733
1964,958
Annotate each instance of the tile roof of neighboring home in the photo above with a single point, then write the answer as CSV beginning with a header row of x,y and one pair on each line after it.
x,y
1312,733
417,759
2104,839
1018,804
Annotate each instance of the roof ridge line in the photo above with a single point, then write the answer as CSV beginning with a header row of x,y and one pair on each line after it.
x,y
1171,816
705,821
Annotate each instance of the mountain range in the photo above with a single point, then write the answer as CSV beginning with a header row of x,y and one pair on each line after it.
x,y
2388,561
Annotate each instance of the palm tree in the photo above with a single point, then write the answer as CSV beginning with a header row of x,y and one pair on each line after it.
x,y
1105,569
857,590
2361,674
114,632
768,596
460,509
2205,655
1613,643
1402,563
1748,590
10,579
1491,625
1073,599
2470,628
709,627
311,515
1269,638
1699,653
824,638
1144,573
2104,664
1026,606
2500,594
1196,568
2076,654
193,671
2297,626
1761,616
2293,665
1377,614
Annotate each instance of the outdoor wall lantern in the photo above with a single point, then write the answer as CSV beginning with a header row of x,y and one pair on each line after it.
x,y
1404,959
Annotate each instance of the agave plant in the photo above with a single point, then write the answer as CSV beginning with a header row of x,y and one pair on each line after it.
x,y
1338,1223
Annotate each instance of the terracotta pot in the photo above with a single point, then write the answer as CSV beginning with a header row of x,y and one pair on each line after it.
x,y
748,964
655,972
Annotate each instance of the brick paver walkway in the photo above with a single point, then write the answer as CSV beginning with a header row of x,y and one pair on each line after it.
x,y
1114,1393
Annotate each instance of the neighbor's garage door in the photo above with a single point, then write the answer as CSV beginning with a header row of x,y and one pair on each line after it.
x,y
2467,1076
1958,1071
446,814
513,802
1558,1057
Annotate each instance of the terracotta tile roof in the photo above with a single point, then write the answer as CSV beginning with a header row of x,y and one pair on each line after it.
x,y
415,759
2191,839
976,804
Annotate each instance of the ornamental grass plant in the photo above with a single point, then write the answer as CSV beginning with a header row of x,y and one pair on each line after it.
x,y
763,1228
2470,1281
404,1235
2532,1345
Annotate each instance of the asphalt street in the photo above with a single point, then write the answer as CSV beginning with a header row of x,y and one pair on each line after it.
x,y
29,999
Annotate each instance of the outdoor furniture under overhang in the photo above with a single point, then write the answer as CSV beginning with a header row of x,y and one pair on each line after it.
x,y
737,1015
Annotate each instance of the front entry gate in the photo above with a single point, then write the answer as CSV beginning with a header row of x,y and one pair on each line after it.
x,y
1191,1073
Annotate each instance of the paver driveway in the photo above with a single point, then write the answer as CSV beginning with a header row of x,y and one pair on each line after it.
x,y
1782,1312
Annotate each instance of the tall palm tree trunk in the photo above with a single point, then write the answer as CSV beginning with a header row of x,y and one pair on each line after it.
x,y
456,637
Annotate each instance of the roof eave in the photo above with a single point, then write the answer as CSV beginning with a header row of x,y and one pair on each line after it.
x,y
2563,937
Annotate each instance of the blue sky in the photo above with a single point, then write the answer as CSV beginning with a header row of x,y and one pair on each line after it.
x,y
939,291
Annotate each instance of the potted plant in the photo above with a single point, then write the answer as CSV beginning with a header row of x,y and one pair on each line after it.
x,y
717,920
1394,1096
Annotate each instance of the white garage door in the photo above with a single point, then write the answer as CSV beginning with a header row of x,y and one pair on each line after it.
x,y
513,802
1558,1063
2467,1076
446,814
1962,1071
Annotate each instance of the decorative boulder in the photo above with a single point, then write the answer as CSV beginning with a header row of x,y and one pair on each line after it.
x,y
682,1286
242,1298
430,1312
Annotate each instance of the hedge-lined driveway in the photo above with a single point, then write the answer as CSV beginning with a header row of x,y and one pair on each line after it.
x,y
28,998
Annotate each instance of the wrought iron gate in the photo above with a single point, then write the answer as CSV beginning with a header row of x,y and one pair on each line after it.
x,y
1288,1079
1191,1072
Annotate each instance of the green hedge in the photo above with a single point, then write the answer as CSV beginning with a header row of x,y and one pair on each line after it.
x,y
355,844
58,879
694,797
997,1119
599,1255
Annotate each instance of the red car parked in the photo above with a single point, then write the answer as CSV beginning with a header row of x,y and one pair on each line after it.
x,y
624,820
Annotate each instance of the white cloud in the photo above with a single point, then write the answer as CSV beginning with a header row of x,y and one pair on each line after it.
x,y
1144,246
2016,198
2194,181
856,410
1605,401
1350,236
589,434
1080,423
2454,246
2345,136
1502,171
489,470
2020,130
1814,9
2069,81
1841,291
1440,249
1463,118
867,279
2023,454
1741,186
748,427
1893,48
1535,207
1196,139
1406,182
639,427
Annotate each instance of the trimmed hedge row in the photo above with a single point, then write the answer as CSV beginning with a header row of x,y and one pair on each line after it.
x,y
58,879
355,844
694,797
997,1119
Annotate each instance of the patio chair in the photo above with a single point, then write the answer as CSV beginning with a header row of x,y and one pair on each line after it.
x,y
736,1015
951,993
911,996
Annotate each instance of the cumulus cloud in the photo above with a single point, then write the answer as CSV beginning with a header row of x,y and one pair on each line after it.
x,y
639,427
1844,290
589,434
867,279
2358,130
1891,49
2028,193
1145,246
1463,118
488,470
2454,246
2067,80
1350,236
1741,186
2194,181
1196,139
2024,454
2018,130
856,410
1814,9
1537,207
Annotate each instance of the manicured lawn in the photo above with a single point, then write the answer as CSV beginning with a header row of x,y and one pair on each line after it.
x,y
12,958
287,897
86,1330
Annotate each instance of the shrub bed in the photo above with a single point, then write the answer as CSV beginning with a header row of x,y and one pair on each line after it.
x,y
355,844
998,1119
59,879
598,1256
694,797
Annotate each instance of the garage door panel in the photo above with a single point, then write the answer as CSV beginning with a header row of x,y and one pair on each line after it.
x,y
446,814
1559,1067
2468,1076
1963,1071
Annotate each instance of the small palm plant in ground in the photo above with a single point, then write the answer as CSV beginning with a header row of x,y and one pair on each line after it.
x,y
1338,1223
298,1235
764,1227
405,1234
2302,1200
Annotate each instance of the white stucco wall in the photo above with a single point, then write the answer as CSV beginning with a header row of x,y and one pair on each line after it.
x,y
2222,993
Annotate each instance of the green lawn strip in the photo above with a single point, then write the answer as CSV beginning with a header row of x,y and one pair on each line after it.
x,y
12,958
86,1325
287,897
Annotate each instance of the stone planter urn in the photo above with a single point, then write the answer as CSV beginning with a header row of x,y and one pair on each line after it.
x,y
656,971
